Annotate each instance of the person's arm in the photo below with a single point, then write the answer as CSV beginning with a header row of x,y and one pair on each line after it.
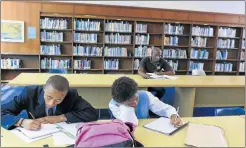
x,y
141,69
123,112
168,69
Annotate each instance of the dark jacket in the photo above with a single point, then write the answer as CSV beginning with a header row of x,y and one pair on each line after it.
x,y
74,107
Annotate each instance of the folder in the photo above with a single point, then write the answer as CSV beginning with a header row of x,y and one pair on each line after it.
x,y
200,135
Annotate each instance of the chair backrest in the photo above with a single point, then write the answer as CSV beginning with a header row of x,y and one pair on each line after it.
x,y
232,111
198,72
58,71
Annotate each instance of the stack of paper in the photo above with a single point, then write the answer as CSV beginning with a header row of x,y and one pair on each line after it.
x,y
155,76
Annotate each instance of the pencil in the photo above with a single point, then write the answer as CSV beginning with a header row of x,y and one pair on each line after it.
x,y
31,115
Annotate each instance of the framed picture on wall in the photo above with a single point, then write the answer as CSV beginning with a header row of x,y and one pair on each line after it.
x,y
12,31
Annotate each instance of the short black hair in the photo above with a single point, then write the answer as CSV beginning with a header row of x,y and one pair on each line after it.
x,y
123,89
58,82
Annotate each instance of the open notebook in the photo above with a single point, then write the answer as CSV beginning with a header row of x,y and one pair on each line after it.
x,y
200,135
163,125
155,76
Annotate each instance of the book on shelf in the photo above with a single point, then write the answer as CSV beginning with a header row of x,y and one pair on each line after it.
x,y
115,52
221,55
196,66
48,63
174,64
171,40
243,44
111,64
10,63
117,39
85,37
142,39
142,51
118,26
227,32
242,55
82,64
87,50
52,36
242,67
50,49
174,53
223,67
244,33
226,43
141,28
136,64
199,41
174,29
202,31
199,54
86,25
51,23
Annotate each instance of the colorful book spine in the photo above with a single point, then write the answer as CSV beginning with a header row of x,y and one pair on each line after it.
x,y
48,63
116,26
87,50
242,55
85,37
142,39
227,32
196,66
142,51
221,55
111,64
202,31
136,64
242,67
174,29
86,25
174,53
117,39
141,28
223,67
226,43
172,40
243,44
52,36
50,49
10,63
82,64
115,52
50,23
199,42
174,64
199,54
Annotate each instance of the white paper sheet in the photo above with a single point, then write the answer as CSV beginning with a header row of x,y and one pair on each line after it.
x,y
71,128
155,76
62,139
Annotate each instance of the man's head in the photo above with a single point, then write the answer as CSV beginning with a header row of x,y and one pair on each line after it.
x,y
155,54
55,90
124,91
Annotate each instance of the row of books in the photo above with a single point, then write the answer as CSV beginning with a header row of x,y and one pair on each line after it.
x,y
136,64
221,55
223,67
174,29
242,67
202,31
172,41
227,43
82,64
87,50
48,63
174,53
86,25
195,65
85,37
52,36
142,51
50,49
49,23
174,64
227,32
199,54
111,64
115,51
243,44
118,39
142,39
199,42
242,55
141,28
10,63
113,26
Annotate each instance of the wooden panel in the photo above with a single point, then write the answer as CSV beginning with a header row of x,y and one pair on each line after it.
x,y
242,20
201,17
57,8
175,15
86,9
22,11
141,13
220,18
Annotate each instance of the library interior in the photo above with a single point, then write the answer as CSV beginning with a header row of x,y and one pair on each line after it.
x,y
122,73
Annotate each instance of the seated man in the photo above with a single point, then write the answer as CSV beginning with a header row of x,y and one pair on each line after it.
x,y
129,104
155,64
53,103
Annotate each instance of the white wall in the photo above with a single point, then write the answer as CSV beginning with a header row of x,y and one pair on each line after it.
x,y
236,7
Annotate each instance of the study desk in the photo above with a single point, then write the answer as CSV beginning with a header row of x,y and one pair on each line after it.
x,y
190,91
233,126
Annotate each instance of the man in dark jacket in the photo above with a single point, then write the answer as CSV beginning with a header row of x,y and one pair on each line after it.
x,y
52,103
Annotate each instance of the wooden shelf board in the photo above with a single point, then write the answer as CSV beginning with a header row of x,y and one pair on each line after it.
x,y
87,31
228,48
118,32
21,69
176,58
203,36
89,69
119,44
118,57
225,71
57,42
228,37
88,43
83,56
118,70
19,54
62,55
56,29
180,35
202,47
176,46
227,60
202,59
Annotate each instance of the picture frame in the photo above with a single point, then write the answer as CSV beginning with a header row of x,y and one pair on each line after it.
x,y
12,31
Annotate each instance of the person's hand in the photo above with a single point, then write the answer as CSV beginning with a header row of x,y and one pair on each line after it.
x,y
176,120
146,76
30,124
54,119
42,120
158,73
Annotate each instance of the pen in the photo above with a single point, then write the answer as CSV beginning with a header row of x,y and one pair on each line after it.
x,y
177,113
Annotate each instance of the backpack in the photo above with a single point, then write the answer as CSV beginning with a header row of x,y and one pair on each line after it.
x,y
113,133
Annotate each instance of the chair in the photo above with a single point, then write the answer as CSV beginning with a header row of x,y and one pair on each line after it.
x,y
232,111
61,71
198,72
